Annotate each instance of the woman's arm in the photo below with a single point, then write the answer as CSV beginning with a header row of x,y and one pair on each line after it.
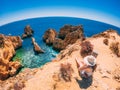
x,y
82,67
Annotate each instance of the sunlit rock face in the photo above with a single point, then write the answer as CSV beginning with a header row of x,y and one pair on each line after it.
x,y
37,49
49,36
67,35
27,32
68,29
8,44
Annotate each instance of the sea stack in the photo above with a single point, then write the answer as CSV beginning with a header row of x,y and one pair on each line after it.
x,y
36,47
49,36
28,32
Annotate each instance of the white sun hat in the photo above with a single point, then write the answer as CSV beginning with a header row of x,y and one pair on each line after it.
x,y
90,60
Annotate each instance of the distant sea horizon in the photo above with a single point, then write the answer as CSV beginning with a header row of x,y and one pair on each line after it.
x,y
26,54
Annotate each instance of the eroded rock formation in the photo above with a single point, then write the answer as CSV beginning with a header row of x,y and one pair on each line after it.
x,y
59,44
36,47
68,29
67,35
8,44
72,37
16,41
27,32
49,36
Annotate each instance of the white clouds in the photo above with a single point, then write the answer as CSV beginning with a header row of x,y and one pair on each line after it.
x,y
70,12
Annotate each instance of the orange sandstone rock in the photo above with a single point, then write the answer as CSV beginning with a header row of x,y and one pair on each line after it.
x,y
7,51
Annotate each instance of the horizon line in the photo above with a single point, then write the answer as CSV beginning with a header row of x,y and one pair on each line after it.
x,y
41,13
58,17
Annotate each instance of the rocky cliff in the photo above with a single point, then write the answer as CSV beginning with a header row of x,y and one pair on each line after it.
x,y
8,44
68,34
62,73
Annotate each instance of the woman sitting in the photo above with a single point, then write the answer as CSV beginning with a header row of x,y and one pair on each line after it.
x,y
87,66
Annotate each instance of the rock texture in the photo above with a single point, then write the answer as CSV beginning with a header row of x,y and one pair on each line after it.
x,y
72,37
7,51
59,44
28,32
36,47
50,36
16,41
67,35
62,73
68,29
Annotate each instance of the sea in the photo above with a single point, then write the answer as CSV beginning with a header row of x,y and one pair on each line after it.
x,y
26,55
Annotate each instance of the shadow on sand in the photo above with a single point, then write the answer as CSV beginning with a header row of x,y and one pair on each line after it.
x,y
85,82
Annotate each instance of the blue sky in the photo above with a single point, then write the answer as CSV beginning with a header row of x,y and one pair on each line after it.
x,y
101,10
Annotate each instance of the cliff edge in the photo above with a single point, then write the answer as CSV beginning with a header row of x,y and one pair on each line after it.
x,y
62,73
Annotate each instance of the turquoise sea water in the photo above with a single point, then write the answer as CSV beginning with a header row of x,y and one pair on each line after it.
x,y
26,54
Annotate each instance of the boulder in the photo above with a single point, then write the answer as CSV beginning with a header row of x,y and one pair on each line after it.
x,y
68,29
49,36
27,32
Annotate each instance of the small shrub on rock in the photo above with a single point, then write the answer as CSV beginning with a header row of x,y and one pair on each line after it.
x,y
18,86
66,71
116,74
115,48
105,41
86,48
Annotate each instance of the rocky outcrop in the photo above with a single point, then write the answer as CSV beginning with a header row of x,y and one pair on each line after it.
x,y
72,37
36,47
13,67
7,51
28,32
16,41
67,35
68,29
49,36
62,74
59,44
